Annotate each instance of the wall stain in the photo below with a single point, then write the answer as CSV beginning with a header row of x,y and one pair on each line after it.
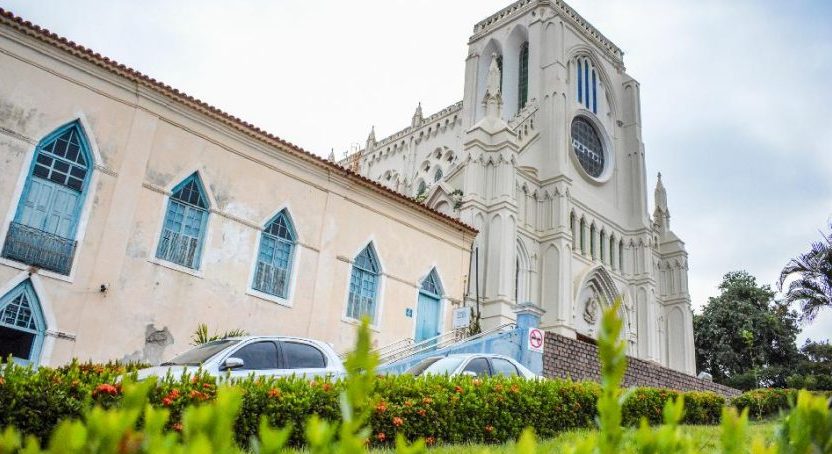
x,y
155,342
16,117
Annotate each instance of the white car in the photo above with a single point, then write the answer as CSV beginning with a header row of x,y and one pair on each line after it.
x,y
239,357
472,364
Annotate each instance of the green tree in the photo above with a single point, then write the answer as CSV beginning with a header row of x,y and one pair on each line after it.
x,y
814,370
810,276
744,337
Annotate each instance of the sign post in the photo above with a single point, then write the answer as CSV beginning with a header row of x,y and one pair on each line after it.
x,y
462,317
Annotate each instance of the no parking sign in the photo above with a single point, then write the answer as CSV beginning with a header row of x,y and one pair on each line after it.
x,y
535,340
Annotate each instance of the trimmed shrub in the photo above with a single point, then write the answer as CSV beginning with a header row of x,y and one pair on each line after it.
x,y
441,410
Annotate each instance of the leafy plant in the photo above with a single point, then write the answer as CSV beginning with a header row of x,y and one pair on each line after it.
x,y
201,335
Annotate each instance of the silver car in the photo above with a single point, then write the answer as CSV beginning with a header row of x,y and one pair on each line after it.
x,y
472,364
238,357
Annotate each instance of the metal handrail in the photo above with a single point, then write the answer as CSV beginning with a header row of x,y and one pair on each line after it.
x,y
439,342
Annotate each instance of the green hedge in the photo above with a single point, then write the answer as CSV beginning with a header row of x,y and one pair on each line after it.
x,y
769,402
459,410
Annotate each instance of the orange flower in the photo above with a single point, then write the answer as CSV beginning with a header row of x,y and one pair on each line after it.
x,y
381,407
477,382
2,381
427,401
498,387
515,389
458,389
398,421
422,412
489,428
327,387
207,385
174,393
430,441
177,426
381,437
167,401
106,388
408,403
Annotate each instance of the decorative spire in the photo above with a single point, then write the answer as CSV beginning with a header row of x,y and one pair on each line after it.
x,y
331,157
493,100
661,214
371,139
418,119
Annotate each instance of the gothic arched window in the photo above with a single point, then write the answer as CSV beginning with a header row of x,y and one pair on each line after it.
x,y
183,231
523,80
22,327
364,279
438,175
587,84
44,228
274,258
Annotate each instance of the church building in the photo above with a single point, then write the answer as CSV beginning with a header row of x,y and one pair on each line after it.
x,y
544,157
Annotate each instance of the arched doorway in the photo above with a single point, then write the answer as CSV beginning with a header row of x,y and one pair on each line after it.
x,y
22,326
428,310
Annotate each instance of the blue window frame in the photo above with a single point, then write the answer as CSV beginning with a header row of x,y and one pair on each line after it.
x,y
580,82
275,256
183,232
431,284
46,221
22,326
364,279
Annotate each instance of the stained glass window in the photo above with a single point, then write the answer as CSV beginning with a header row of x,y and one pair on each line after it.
x,y
523,83
587,146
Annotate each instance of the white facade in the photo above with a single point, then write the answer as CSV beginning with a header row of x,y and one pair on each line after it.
x,y
556,185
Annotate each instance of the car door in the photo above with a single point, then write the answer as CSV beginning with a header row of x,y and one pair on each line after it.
x,y
478,366
259,358
301,358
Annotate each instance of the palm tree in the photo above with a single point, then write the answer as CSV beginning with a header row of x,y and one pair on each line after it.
x,y
812,283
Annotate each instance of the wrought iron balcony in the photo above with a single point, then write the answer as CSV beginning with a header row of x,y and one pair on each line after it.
x,y
38,248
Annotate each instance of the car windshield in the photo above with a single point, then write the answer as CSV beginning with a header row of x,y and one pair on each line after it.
x,y
202,353
438,366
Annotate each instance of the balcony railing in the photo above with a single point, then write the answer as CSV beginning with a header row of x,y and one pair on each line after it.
x,y
270,279
38,248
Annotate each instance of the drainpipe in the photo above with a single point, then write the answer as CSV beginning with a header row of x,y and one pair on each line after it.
x,y
528,316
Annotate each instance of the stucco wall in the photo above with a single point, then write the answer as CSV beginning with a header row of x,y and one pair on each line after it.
x,y
145,144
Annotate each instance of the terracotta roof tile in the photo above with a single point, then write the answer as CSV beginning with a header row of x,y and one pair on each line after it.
x,y
113,66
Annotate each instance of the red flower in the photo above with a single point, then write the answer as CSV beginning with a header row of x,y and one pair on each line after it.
x,y
274,393
458,389
207,385
167,401
381,437
106,388
422,412
177,426
327,387
398,421
2,381
381,407
489,428
174,393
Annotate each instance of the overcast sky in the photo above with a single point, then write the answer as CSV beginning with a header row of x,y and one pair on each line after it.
x,y
736,102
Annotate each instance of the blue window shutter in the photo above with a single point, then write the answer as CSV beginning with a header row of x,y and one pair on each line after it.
x,y
183,231
364,285
273,272
46,221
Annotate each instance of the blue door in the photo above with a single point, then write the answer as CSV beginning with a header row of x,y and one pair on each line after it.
x,y
427,317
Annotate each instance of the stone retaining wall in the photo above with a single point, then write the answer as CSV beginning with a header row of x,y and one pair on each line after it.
x,y
569,358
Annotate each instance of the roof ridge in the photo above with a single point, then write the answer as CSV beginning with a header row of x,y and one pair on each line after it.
x,y
122,70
